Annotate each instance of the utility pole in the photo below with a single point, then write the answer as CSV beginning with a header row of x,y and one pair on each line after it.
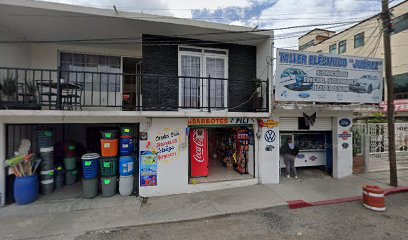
x,y
386,22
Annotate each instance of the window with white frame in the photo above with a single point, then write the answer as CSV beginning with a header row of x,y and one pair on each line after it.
x,y
203,77
97,72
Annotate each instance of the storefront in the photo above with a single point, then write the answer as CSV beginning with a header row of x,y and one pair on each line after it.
x,y
72,160
314,141
221,152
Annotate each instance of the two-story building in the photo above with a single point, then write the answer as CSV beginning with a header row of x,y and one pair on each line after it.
x,y
79,70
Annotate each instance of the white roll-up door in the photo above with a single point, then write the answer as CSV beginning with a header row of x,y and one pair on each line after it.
x,y
292,124
322,124
288,124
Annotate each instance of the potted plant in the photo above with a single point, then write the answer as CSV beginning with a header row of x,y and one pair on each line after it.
x,y
31,91
9,87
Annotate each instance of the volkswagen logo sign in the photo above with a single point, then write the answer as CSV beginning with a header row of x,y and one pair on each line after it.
x,y
344,122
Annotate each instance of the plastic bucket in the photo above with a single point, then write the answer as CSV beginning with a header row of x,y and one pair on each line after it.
x,y
70,163
59,181
47,174
109,166
126,165
109,148
47,186
26,189
47,154
110,134
90,188
71,177
45,138
126,185
126,131
126,146
109,186
90,164
46,166
70,150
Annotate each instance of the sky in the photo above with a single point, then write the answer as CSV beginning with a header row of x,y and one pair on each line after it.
x,y
265,14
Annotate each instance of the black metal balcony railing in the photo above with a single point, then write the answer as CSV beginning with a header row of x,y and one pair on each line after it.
x,y
22,88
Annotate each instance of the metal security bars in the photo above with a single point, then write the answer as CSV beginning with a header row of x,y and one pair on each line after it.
x,y
57,89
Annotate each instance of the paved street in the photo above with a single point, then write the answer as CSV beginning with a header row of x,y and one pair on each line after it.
x,y
341,221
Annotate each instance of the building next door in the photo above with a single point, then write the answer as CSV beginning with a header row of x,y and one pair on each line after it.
x,y
199,152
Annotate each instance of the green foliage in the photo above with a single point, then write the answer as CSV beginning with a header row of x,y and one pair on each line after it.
x,y
377,118
9,86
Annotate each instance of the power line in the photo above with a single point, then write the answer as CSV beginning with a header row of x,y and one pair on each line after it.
x,y
179,35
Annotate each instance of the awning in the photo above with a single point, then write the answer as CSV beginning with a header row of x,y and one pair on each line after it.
x,y
401,105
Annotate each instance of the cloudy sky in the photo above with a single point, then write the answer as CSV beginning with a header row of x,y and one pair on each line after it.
x,y
262,13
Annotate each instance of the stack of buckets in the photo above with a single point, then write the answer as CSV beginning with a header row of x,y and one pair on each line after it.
x,y
109,162
70,163
90,164
126,162
45,143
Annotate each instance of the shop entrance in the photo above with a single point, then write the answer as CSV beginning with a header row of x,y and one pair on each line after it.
x,y
221,154
315,156
66,144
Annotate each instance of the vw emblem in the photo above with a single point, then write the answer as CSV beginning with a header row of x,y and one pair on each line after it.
x,y
270,136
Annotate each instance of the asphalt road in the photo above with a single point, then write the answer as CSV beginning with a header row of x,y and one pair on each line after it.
x,y
340,221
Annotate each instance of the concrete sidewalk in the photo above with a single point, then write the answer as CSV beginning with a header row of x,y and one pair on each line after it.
x,y
66,219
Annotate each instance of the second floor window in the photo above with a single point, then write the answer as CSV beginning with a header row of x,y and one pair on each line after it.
x,y
92,70
203,77
306,45
333,49
400,23
342,46
359,40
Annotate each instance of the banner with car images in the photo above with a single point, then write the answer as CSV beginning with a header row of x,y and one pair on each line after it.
x,y
316,77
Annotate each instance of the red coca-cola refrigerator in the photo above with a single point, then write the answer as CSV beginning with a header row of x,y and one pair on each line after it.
x,y
199,152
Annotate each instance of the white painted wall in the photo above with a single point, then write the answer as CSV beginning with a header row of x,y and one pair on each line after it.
x,y
47,55
342,158
172,175
263,71
14,55
269,160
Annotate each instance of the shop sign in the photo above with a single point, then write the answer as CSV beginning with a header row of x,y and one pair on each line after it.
x,y
344,122
270,136
167,144
316,77
148,169
219,121
344,135
270,123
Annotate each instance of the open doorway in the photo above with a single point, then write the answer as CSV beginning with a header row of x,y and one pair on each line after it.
x,y
221,154
131,83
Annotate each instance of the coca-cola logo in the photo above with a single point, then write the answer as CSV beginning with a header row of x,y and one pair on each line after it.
x,y
198,139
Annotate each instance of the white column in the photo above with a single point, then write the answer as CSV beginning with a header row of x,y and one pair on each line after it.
x,y
2,160
268,152
342,147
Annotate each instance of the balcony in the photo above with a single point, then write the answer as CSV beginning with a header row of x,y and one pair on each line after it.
x,y
57,89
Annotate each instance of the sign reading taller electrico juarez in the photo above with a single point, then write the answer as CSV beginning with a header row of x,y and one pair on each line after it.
x,y
316,77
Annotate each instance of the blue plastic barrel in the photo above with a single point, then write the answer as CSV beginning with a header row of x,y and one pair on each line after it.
x,y
126,165
90,165
126,146
26,189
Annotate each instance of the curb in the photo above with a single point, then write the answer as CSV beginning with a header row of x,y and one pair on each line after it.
x,y
295,204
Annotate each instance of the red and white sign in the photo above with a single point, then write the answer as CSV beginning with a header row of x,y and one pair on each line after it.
x,y
199,152
400,105
345,135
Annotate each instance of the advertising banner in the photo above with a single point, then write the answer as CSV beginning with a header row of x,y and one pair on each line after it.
x,y
148,169
316,77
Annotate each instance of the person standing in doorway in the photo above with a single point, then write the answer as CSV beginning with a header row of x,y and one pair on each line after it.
x,y
289,152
